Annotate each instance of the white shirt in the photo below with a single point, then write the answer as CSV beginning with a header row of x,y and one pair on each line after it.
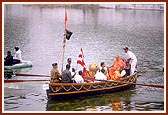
x,y
100,76
18,55
131,55
78,79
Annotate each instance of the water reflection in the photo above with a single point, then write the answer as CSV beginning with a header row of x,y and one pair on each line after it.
x,y
106,102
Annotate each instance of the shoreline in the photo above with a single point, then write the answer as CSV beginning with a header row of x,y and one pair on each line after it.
x,y
154,7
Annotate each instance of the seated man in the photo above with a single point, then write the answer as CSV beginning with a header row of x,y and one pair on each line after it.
x,y
8,59
55,75
18,56
104,69
78,78
66,75
93,68
117,66
100,76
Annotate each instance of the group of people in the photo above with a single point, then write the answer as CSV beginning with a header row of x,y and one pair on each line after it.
x,y
68,75
119,68
9,60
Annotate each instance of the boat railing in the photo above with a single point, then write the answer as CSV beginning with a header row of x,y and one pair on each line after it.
x,y
79,87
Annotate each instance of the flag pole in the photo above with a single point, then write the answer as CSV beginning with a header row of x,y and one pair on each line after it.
x,y
64,40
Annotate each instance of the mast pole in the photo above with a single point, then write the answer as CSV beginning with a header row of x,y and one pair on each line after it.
x,y
64,40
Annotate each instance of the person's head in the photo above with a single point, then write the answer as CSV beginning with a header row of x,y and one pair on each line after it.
x,y
73,70
8,52
16,48
117,57
69,61
125,49
102,64
55,65
80,72
68,66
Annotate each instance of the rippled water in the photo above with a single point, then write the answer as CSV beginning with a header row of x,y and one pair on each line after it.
x,y
102,33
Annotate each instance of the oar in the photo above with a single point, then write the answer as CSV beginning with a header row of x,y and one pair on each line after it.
x,y
36,75
150,85
15,80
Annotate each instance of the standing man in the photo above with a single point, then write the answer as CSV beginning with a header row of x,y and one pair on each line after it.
x,y
72,70
131,59
69,60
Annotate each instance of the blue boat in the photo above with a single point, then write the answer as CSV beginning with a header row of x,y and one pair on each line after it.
x,y
58,91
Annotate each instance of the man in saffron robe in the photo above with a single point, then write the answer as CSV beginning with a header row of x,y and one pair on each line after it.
x,y
117,66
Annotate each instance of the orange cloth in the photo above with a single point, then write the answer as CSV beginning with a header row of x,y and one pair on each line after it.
x,y
118,64
114,70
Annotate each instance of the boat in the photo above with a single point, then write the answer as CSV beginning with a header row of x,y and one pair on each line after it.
x,y
23,64
58,91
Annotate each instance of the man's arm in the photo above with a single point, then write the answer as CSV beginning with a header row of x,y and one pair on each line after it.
x,y
128,60
74,75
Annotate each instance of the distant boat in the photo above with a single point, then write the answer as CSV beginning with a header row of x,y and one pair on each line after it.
x,y
23,64
58,91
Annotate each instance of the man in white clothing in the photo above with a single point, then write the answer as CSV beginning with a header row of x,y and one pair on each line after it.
x,y
72,70
131,58
18,56
78,78
100,76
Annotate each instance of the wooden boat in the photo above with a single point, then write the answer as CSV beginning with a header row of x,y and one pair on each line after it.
x,y
23,64
59,91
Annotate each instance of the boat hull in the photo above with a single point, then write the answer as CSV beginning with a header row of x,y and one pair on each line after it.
x,y
58,91
24,64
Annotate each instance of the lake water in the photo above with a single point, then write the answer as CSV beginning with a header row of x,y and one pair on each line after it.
x,y
101,33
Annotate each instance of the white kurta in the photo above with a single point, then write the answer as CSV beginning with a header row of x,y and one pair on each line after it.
x,y
132,62
78,79
100,76
18,55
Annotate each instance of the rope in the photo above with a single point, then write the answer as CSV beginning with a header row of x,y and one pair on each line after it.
x,y
59,57
92,85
